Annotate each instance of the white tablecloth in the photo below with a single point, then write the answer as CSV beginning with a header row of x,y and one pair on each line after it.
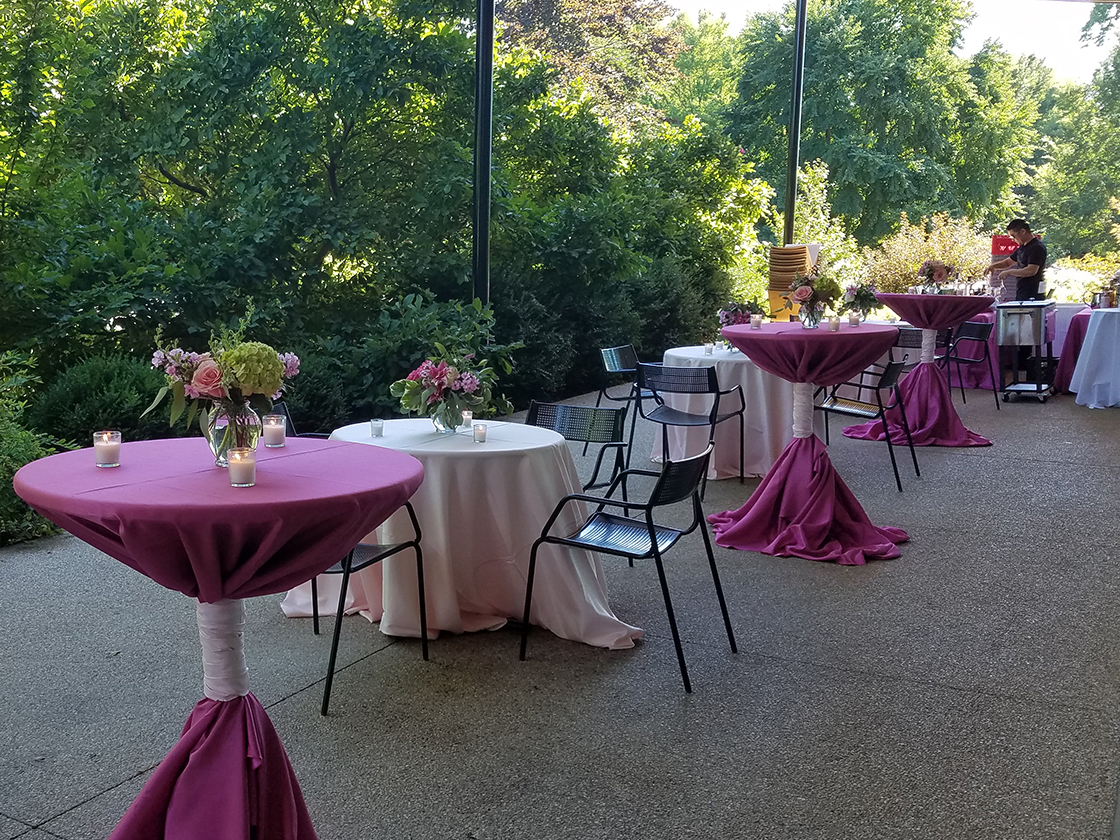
x,y
1096,379
480,507
766,429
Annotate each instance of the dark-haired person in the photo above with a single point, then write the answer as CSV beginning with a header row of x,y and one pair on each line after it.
x,y
1023,270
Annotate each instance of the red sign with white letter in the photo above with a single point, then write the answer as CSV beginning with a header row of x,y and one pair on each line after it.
x,y
1003,246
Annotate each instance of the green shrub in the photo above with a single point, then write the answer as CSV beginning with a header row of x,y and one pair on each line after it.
x,y
893,266
18,446
316,398
102,392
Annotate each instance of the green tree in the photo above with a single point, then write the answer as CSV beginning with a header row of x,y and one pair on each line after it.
x,y
705,83
887,105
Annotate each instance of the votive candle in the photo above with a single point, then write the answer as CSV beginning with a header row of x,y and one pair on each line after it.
x,y
834,323
376,428
756,322
107,449
480,433
708,348
242,467
468,416
274,430
853,319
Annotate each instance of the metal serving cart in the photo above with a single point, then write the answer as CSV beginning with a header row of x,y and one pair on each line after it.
x,y
1023,324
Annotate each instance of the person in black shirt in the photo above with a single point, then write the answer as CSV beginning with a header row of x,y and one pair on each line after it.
x,y
1025,265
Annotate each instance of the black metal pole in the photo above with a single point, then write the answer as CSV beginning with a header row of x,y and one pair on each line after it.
x,y
795,117
483,133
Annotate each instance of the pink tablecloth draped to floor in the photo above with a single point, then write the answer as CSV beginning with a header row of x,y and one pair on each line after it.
x,y
976,375
1071,349
170,514
802,508
924,392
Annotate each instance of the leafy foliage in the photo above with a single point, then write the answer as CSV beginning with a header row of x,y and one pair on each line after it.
x,y
894,265
704,85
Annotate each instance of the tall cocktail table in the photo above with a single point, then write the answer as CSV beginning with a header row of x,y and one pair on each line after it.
x,y
802,507
171,515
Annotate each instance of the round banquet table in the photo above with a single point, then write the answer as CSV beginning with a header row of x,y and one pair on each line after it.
x,y
170,514
1096,378
924,391
802,507
480,509
766,431
1071,350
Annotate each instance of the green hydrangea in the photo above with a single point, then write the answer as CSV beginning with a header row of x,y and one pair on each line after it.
x,y
255,368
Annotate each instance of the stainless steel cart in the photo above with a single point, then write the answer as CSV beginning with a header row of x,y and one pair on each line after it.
x,y
1023,324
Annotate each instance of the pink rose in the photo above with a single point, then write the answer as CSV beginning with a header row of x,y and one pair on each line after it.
x,y
940,274
802,293
207,380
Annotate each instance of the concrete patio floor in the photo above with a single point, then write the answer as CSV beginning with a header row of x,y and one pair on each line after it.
x,y
967,689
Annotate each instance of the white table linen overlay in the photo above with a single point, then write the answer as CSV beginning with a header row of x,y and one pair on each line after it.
x,y
481,507
766,429
1096,379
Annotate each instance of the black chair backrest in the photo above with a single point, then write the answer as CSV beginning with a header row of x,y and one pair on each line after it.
x,y
620,359
579,422
909,337
281,407
889,377
680,479
974,331
670,379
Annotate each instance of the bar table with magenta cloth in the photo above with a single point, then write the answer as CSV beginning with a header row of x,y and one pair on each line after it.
x,y
924,390
802,507
1071,350
481,507
171,515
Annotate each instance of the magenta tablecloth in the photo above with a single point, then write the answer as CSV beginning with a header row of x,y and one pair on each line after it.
x,y
169,513
802,507
1071,349
926,400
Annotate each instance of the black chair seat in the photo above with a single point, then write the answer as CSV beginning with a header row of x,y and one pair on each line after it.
x,y
853,408
622,535
676,417
366,554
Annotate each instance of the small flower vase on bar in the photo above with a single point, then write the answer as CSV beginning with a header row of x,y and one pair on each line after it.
x,y
810,316
230,424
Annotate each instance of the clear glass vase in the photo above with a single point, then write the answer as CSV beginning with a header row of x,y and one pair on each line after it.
x,y
810,316
230,424
447,418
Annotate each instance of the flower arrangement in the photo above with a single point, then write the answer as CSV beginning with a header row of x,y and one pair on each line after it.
x,y
935,272
446,385
739,313
812,293
231,382
859,297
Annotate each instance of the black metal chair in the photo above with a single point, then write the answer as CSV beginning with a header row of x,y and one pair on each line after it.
x,y
668,379
877,382
620,366
361,556
638,539
582,423
977,332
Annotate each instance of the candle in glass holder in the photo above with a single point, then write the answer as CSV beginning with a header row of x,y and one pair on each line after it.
x,y
468,417
834,323
273,432
242,467
708,348
107,449
376,428
853,319
756,321
480,433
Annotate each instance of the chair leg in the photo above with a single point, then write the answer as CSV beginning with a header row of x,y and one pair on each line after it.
x,y
960,382
909,437
992,376
633,425
826,415
528,598
423,604
719,586
742,432
337,633
890,449
315,606
598,402
672,621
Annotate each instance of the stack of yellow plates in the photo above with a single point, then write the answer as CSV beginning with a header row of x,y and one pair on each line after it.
x,y
786,263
